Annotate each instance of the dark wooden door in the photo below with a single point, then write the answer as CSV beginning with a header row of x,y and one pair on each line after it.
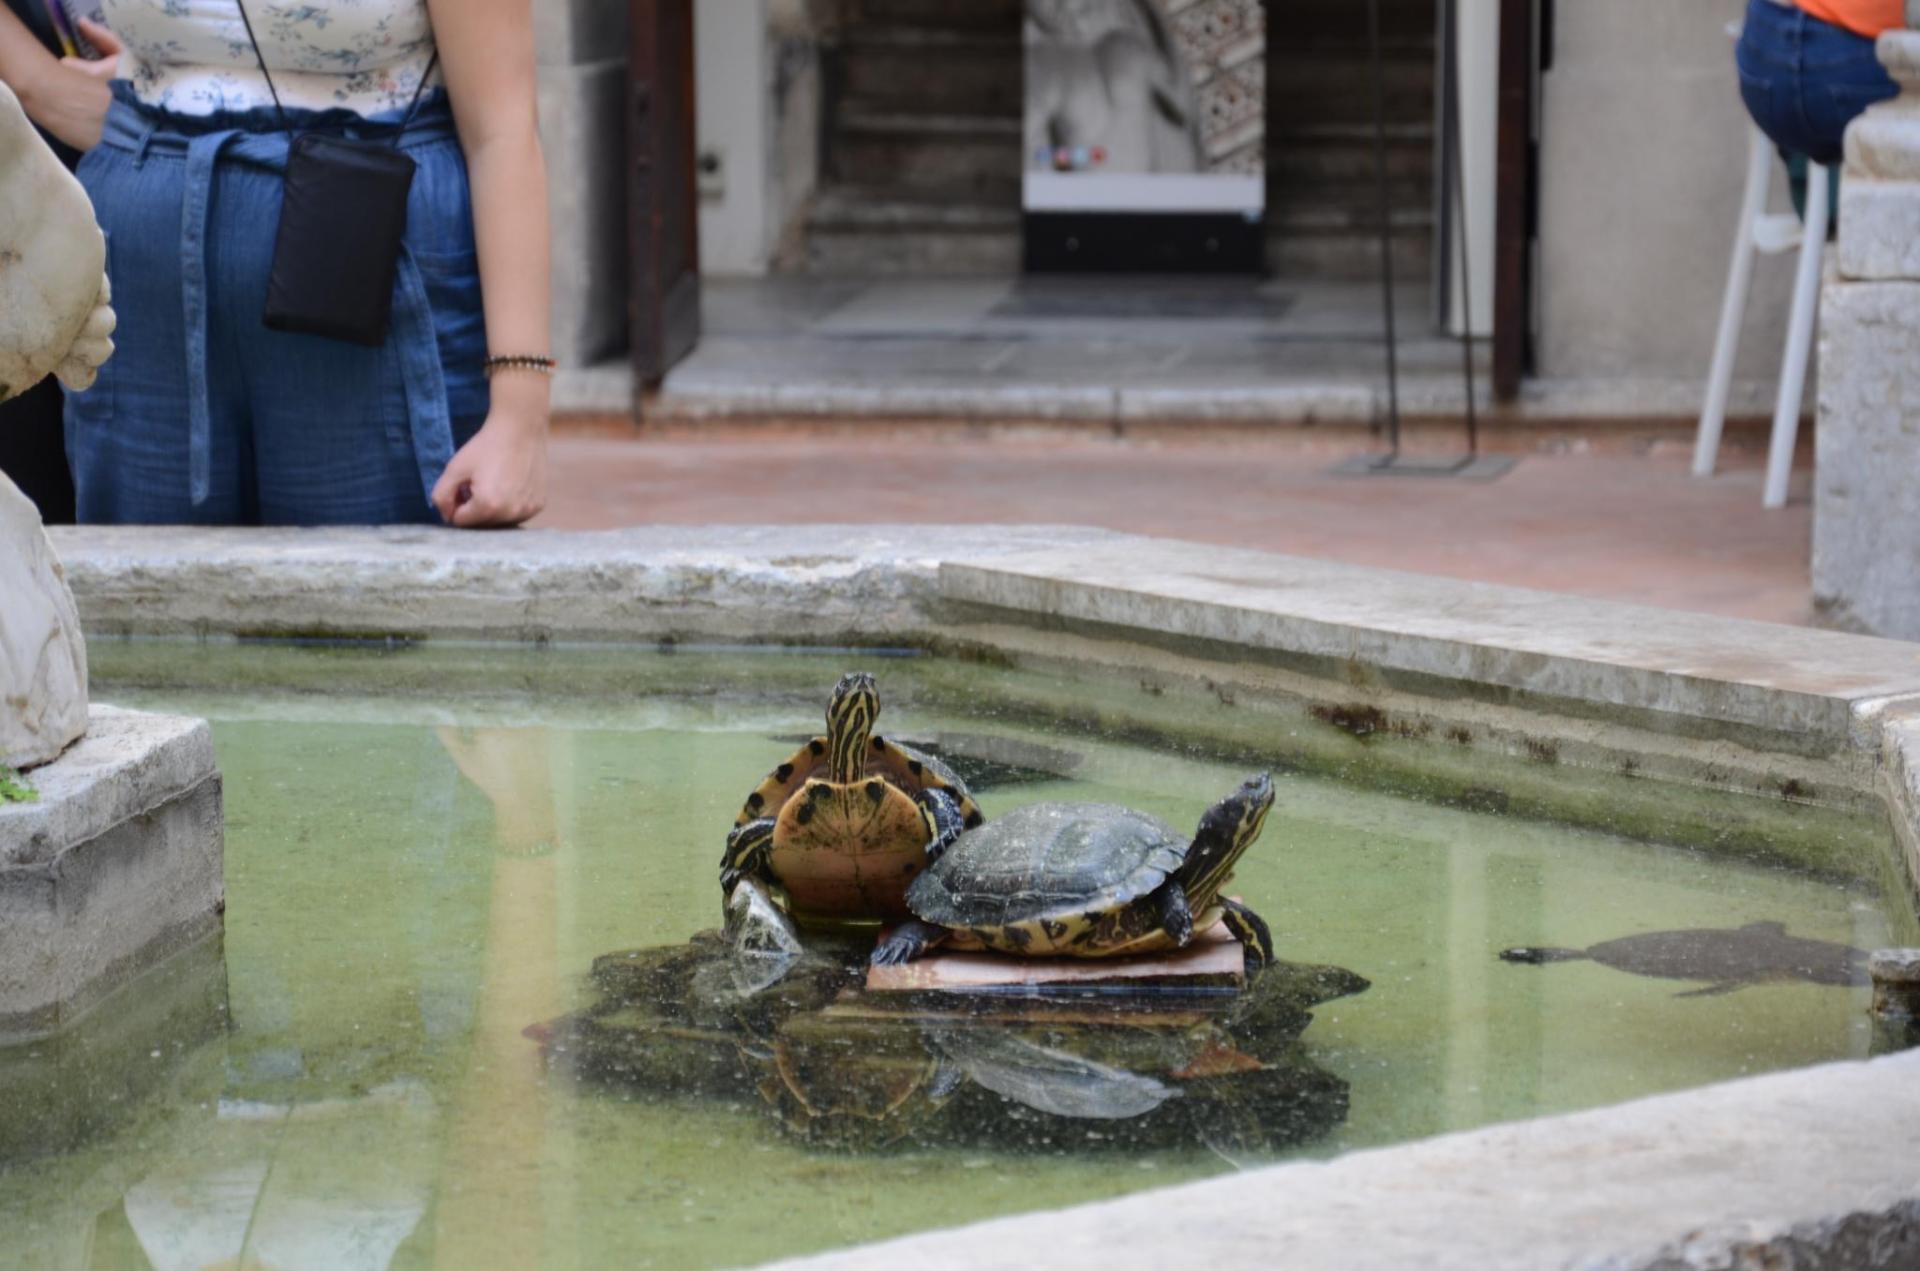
x,y
1515,196
662,203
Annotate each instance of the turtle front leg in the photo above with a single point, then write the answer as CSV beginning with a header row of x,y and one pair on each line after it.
x,y
1251,930
748,847
944,821
908,941
1176,918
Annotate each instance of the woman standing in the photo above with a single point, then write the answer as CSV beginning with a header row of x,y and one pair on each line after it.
x,y
436,407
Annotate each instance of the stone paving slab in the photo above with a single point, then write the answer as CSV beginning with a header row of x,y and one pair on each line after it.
x,y
1811,1168
1761,674
770,584
1628,524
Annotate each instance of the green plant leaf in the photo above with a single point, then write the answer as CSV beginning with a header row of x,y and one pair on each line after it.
x,y
14,788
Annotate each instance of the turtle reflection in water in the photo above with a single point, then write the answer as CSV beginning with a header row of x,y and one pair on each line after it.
x,y
841,1068
1724,958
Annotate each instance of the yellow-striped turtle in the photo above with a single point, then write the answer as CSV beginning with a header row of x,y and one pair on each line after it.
x,y
849,819
1087,880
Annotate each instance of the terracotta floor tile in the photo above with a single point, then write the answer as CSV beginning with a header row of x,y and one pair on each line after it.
x,y
1633,528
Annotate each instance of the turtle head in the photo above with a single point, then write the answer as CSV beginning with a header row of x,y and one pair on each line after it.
x,y
1227,829
850,716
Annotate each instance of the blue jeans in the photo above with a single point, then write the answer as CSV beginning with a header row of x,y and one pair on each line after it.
x,y
204,416
1804,79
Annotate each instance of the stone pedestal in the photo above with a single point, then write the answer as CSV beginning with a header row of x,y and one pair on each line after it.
x,y
1866,531
116,866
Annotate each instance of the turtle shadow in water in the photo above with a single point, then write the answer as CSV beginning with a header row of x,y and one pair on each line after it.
x,y
838,1068
1722,958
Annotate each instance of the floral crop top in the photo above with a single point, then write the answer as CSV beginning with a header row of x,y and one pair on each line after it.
x,y
192,56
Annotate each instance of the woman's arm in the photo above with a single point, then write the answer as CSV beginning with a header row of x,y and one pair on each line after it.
x,y
66,96
486,50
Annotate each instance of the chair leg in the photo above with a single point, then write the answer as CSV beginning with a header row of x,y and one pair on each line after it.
x,y
1706,445
1793,364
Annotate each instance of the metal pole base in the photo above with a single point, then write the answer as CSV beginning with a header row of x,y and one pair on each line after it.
x,y
1464,467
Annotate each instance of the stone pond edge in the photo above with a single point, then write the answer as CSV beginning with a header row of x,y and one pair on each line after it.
x,y
817,584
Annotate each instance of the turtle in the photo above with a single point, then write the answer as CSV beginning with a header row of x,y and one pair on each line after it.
x,y
1087,880
1726,958
849,819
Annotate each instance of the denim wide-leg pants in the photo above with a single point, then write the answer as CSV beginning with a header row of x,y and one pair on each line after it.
x,y
1803,80
203,415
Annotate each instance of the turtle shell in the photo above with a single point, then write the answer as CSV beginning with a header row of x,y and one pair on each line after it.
x,y
902,766
848,850
1048,863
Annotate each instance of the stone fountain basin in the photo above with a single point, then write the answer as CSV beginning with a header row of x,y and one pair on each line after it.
x,y
1817,1165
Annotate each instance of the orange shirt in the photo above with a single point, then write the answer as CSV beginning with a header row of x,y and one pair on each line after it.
x,y
1862,17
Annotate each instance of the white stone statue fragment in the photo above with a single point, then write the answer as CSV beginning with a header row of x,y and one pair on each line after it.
x,y
54,319
54,316
43,658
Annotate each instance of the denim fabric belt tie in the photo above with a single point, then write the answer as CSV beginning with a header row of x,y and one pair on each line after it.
x,y
413,335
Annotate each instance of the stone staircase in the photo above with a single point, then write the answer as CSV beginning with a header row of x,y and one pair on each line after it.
x,y
1322,192
921,157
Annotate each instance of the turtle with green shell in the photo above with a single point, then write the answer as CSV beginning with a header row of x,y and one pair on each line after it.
x,y
1087,880
849,819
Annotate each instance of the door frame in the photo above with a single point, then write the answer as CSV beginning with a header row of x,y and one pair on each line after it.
x,y
1516,201
663,213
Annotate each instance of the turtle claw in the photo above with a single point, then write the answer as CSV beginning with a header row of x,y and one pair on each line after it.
x,y
944,821
906,942
1176,918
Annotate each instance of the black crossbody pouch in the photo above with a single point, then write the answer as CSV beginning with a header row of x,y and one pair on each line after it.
x,y
342,217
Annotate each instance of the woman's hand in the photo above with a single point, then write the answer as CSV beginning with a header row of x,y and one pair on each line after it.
x,y
69,98
500,476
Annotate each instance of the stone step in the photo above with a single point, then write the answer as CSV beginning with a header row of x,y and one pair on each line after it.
x,y
953,15
1347,255
1349,202
977,155
911,250
854,207
1344,22
924,70
854,231
913,253
1294,162
1337,85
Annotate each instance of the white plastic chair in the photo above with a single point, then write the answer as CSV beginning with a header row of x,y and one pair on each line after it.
x,y
1770,233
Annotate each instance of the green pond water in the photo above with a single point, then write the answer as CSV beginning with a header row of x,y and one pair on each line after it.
x,y
422,866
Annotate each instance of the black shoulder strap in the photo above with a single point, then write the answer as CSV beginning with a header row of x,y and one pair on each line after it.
x,y
261,58
413,103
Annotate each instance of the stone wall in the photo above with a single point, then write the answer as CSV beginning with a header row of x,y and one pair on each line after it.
x,y
758,71
731,44
581,48
1642,158
794,34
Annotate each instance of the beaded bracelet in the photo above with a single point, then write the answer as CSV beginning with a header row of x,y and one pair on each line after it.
x,y
520,362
